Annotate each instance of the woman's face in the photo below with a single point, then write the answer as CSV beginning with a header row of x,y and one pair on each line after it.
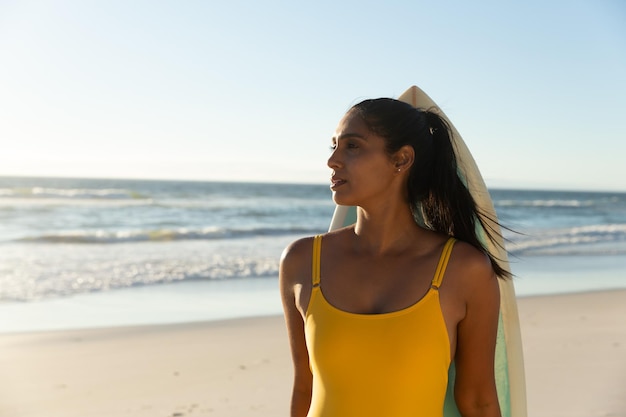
x,y
362,169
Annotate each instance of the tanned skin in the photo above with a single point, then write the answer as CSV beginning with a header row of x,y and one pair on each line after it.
x,y
391,261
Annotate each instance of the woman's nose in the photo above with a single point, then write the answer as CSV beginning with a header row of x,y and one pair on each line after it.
x,y
333,160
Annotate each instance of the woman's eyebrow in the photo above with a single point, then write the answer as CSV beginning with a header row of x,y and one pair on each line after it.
x,y
348,136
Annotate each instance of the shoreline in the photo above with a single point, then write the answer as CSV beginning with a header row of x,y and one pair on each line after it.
x,y
521,299
574,349
10,312
271,312
208,300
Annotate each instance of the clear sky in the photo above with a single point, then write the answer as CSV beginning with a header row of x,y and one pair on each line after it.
x,y
253,90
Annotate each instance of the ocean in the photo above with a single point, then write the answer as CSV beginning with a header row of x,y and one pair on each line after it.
x,y
96,252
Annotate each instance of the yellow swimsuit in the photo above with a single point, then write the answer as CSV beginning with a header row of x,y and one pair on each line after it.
x,y
380,365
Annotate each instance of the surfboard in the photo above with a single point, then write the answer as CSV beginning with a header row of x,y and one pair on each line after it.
x,y
509,362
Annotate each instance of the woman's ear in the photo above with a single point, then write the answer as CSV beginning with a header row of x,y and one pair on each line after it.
x,y
403,158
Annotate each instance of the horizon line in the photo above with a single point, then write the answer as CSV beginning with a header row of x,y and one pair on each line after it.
x,y
512,187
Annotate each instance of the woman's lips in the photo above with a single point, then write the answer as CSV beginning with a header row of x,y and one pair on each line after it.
x,y
336,182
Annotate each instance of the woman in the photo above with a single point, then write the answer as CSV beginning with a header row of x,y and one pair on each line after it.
x,y
377,311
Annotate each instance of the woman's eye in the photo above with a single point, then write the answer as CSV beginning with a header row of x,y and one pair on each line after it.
x,y
347,145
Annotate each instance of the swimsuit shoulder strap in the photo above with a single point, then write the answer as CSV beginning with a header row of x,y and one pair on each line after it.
x,y
443,263
317,250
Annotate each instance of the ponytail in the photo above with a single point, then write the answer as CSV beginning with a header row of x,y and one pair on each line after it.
x,y
437,195
449,206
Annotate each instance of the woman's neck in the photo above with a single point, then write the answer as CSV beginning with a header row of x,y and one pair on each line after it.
x,y
386,229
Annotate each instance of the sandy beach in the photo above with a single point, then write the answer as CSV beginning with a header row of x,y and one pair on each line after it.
x,y
574,346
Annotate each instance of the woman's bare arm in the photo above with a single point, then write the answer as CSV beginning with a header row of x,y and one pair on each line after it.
x,y
293,272
475,389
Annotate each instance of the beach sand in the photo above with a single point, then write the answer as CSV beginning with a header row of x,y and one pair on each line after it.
x,y
574,346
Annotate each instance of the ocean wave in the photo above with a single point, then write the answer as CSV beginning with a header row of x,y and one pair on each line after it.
x,y
545,203
44,271
71,193
162,235
46,280
592,239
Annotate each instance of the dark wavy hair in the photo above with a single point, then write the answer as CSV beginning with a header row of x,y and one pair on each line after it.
x,y
438,197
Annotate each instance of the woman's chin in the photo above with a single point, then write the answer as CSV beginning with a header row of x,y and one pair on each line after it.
x,y
342,200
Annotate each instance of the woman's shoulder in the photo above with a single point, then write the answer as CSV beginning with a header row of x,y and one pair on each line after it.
x,y
304,246
470,281
295,261
470,255
297,249
300,251
471,267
